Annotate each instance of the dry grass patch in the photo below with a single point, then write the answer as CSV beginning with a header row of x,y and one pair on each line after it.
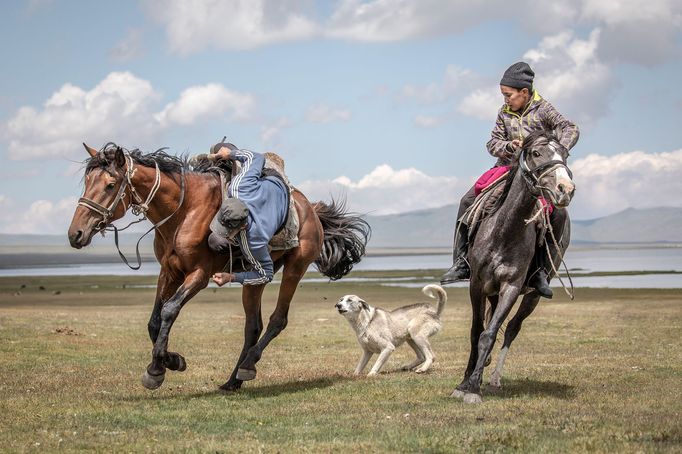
x,y
598,374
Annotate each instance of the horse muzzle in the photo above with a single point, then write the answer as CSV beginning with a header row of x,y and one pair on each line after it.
x,y
565,190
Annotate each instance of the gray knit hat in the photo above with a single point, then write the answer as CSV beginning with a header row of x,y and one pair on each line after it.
x,y
519,75
231,216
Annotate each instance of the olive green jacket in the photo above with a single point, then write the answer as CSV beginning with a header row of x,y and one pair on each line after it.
x,y
538,114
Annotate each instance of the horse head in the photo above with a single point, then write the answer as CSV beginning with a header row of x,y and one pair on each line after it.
x,y
542,162
105,183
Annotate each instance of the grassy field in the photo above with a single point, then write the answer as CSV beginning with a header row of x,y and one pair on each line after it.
x,y
599,374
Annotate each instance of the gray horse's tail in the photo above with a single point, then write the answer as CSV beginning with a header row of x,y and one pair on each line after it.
x,y
345,238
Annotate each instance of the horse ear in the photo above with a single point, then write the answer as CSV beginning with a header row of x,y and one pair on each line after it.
x,y
91,151
119,157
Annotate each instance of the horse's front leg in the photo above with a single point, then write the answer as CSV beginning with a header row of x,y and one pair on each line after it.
x,y
527,306
253,326
170,309
472,387
166,286
477,318
291,276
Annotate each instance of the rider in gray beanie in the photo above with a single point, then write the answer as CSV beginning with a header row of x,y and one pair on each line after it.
x,y
519,75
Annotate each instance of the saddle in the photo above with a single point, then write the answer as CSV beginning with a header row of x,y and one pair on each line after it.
x,y
488,189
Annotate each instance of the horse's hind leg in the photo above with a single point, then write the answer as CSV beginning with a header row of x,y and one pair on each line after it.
x,y
489,311
253,326
527,306
292,275
155,373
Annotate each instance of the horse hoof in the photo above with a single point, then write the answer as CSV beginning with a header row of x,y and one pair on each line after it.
x,y
176,362
152,381
457,394
230,387
182,364
472,398
246,374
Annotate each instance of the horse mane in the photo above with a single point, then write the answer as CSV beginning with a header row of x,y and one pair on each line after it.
x,y
528,142
167,163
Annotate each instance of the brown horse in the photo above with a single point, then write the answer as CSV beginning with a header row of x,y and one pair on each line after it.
x,y
181,201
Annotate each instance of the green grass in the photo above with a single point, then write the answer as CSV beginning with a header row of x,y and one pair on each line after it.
x,y
600,374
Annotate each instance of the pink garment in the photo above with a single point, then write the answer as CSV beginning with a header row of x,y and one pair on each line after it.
x,y
549,207
492,175
489,177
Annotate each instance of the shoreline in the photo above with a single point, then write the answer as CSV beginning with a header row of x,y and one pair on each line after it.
x,y
13,257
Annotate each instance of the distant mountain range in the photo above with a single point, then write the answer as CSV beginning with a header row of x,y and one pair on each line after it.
x,y
434,227
429,228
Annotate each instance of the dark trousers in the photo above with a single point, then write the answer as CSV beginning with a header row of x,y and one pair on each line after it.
x,y
466,201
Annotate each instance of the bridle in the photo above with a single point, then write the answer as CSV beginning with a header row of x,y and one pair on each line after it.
x,y
139,208
533,176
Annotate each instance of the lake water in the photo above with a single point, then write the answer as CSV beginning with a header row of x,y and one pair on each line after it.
x,y
579,260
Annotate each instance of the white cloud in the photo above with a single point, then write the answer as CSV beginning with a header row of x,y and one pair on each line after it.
x,y
204,101
607,184
321,113
270,132
570,75
42,216
482,103
129,48
645,32
387,191
192,26
397,20
121,105
456,81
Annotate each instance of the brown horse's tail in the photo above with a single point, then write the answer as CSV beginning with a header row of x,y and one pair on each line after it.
x,y
345,238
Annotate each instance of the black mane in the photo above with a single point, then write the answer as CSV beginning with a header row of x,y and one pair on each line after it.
x,y
167,163
528,142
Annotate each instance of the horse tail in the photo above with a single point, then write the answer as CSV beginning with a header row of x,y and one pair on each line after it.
x,y
436,292
345,238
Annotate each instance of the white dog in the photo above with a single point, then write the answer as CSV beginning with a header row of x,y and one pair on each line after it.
x,y
380,331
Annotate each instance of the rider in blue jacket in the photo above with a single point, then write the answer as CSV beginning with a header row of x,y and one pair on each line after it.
x,y
255,210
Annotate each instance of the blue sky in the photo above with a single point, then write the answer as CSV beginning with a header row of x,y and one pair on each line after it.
x,y
387,102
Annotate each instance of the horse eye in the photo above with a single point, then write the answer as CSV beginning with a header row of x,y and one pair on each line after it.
x,y
111,185
536,154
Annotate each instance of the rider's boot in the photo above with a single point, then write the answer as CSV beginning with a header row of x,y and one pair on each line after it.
x,y
540,280
460,267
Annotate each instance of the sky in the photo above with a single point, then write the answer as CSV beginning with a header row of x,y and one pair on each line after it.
x,y
388,103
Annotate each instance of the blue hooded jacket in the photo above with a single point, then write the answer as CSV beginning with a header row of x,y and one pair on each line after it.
x,y
267,199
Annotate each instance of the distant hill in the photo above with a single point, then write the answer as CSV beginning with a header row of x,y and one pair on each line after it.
x,y
653,225
434,227
430,228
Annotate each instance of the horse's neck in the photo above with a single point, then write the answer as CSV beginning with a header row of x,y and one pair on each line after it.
x,y
167,197
517,207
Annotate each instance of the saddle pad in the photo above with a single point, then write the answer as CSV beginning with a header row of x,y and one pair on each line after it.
x,y
489,177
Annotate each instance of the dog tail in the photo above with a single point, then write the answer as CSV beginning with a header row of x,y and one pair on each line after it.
x,y
436,292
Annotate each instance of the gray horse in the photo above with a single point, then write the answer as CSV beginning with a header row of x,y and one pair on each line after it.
x,y
503,250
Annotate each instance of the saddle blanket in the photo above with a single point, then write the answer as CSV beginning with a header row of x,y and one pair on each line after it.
x,y
491,176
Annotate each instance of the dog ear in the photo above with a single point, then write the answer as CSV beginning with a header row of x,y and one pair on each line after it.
x,y
364,304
